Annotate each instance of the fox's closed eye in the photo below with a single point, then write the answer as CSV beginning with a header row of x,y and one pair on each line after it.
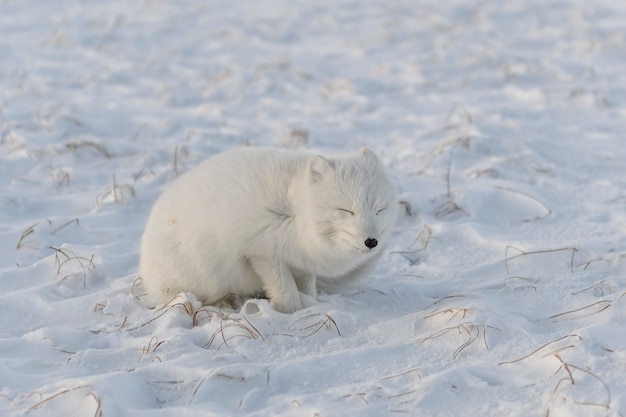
x,y
346,211
381,210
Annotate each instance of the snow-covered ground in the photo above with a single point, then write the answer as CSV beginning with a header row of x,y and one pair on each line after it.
x,y
503,289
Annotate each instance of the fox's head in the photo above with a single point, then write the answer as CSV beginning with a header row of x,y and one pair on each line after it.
x,y
351,201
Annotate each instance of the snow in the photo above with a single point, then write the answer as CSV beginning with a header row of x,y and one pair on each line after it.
x,y
502,291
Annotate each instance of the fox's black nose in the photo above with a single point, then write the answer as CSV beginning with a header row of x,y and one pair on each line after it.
x,y
371,243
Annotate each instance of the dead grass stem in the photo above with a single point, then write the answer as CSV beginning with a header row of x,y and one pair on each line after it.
x,y
447,297
602,305
448,208
423,238
232,323
97,413
454,312
523,279
521,253
151,347
514,191
410,371
64,225
22,242
73,146
575,336
327,324
63,256
407,207
569,369
470,331
120,193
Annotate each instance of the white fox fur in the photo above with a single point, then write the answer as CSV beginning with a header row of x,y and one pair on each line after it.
x,y
255,220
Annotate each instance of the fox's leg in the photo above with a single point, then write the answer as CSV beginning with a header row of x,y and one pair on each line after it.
x,y
278,283
306,284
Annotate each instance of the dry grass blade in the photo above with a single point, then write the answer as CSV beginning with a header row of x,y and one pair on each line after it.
x,y
602,305
29,231
253,328
73,146
69,256
62,178
98,412
322,324
45,400
587,264
559,350
514,191
597,378
198,312
119,193
326,323
459,106
138,132
63,256
541,348
194,312
361,395
564,366
163,311
179,154
423,237
407,208
597,286
64,391
142,324
64,225
137,283
448,192
232,323
521,253
448,208
404,394
568,368
447,298
185,306
463,312
523,279
196,388
151,347
410,371
470,330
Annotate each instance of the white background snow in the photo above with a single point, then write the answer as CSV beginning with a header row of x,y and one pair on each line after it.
x,y
502,291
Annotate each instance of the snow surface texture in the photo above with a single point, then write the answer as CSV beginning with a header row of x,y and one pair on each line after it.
x,y
503,289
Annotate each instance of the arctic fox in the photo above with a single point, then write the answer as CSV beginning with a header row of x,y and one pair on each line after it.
x,y
267,221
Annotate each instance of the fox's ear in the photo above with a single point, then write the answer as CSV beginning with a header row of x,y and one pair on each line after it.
x,y
319,167
367,153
